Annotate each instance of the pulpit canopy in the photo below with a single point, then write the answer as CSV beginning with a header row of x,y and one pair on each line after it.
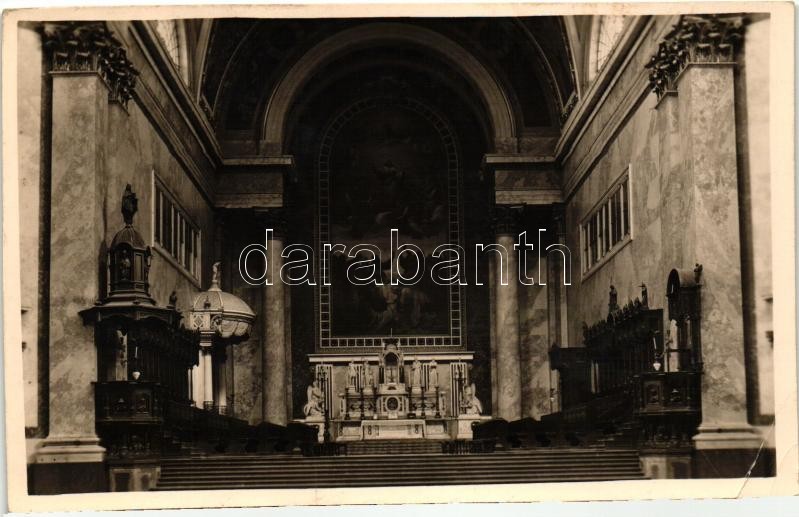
x,y
217,314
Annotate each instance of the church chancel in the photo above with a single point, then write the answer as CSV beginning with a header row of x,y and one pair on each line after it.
x,y
392,394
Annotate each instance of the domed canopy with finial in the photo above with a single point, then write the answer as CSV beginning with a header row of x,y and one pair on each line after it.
x,y
129,258
220,314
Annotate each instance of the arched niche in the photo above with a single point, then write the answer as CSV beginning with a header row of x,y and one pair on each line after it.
x,y
495,100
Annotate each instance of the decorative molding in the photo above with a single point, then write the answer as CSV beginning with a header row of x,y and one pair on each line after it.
x,y
235,200
528,196
694,39
85,46
592,99
568,108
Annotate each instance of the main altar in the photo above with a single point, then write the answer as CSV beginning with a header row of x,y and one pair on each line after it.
x,y
392,394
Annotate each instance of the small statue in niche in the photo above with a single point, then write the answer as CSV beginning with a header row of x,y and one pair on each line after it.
x,y
124,265
173,299
369,380
416,373
352,375
130,205
613,300
216,274
644,296
471,403
432,375
697,272
313,407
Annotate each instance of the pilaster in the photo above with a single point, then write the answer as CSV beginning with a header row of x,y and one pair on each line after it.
x,y
89,69
695,64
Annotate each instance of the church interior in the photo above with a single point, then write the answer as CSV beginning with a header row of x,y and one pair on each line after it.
x,y
631,151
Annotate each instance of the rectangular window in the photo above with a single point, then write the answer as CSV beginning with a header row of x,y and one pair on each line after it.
x,y
174,233
607,227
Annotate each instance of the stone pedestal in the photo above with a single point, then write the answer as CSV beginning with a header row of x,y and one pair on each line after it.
x,y
319,423
70,458
711,236
463,431
666,464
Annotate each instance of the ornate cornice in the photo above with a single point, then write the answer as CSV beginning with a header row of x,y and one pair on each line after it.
x,y
86,46
709,38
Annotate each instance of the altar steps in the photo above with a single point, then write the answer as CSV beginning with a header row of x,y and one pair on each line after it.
x,y
291,471
393,447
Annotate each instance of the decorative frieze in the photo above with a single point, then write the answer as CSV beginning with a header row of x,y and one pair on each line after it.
x,y
86,46
695,39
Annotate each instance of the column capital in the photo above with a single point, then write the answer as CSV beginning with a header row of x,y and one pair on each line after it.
x,y
505,219
89,46
704,38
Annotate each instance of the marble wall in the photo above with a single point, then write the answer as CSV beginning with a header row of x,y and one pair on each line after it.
x,y
29,113
125,147
247,358
534,342
32,282
681,155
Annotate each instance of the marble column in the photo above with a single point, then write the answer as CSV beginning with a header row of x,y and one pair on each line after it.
x,y
273,314
220,387
506,306
77,240
711,236
206,367
197,386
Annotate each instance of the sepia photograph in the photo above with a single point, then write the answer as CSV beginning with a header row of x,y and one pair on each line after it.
x,y
406,251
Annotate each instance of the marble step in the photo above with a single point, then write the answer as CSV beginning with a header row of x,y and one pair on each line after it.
x,y
343,482
394,447
380,462
405,469
552,452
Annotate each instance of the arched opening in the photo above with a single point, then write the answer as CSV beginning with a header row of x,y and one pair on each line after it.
x,y
391,117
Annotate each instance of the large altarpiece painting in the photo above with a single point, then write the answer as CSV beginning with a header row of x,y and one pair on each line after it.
x,y
388,163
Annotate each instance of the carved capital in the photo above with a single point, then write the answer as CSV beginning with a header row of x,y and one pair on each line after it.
x,y
86,46
707,38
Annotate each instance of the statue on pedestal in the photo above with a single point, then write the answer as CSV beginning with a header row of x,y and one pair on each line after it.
x,y
613,300
416,373
368,376
312,407
432,375
352,375
471,403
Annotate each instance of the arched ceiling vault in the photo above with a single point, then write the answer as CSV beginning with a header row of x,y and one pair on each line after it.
x,y
520,68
